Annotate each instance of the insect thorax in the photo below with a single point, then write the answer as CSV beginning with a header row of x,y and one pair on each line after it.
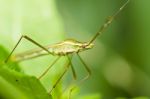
x,y
69,46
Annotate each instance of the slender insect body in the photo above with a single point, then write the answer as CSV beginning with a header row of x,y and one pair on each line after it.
x,y
63,48
28,55
69,46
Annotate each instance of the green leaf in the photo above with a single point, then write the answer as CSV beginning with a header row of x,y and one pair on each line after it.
x,y
15,85
3,55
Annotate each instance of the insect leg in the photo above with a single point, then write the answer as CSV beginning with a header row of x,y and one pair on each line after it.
x,y
72,69
74,78
108,22
66,68
29,39
49,67
86,67
86,77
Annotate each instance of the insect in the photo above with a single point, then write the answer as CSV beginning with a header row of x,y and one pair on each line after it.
x,y
64,48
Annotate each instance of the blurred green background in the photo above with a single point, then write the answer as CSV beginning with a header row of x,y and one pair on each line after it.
x,y
120,59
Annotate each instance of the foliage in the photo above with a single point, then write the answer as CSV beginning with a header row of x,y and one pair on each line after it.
x,y
119,61
16,85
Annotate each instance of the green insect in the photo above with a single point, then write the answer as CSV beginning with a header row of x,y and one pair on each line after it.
x,y
64,48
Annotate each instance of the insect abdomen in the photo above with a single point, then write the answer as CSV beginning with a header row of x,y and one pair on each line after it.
x,y
62,50
55,50
28,55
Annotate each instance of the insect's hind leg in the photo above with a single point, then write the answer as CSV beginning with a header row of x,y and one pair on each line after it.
x,y
29,39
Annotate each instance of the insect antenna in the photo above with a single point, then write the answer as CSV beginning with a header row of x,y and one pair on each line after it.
x,y
108,22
